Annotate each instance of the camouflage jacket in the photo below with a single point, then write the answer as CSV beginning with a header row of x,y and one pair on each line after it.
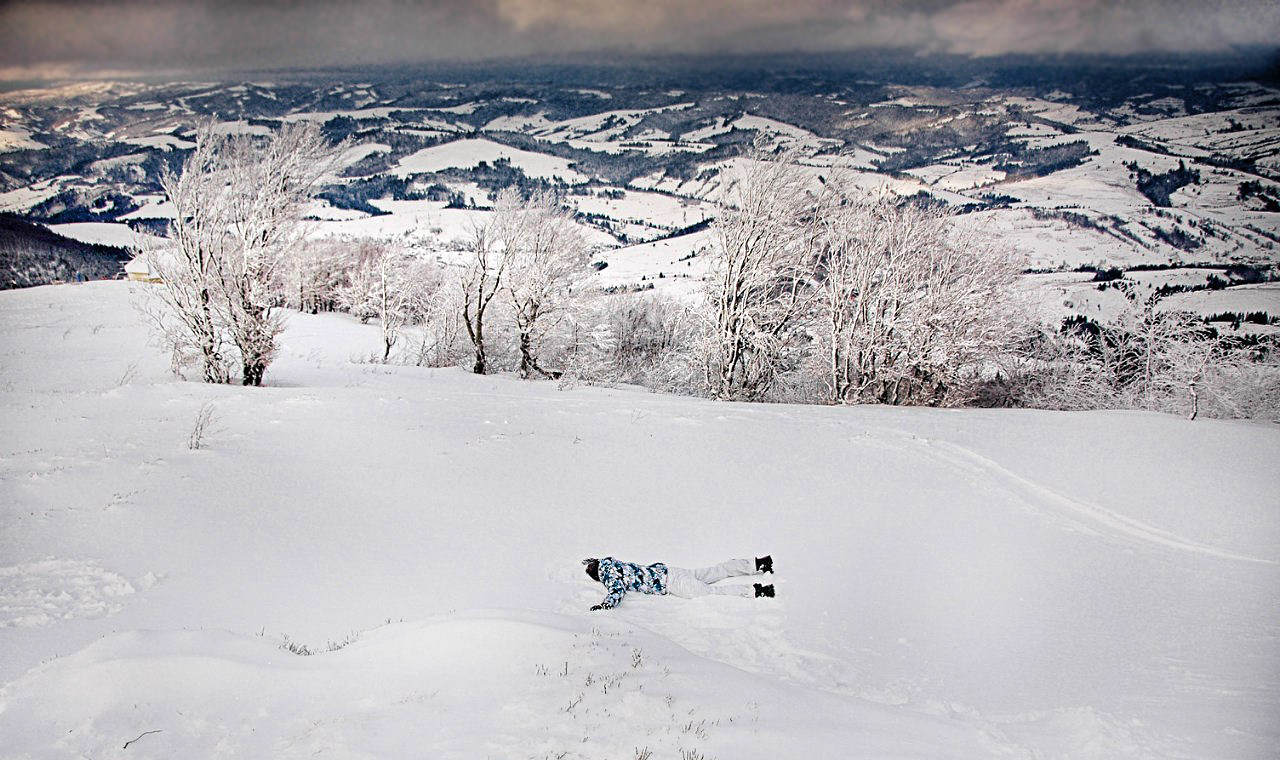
x,y
619,577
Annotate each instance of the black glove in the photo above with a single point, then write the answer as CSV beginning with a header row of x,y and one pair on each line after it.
x,y
595,607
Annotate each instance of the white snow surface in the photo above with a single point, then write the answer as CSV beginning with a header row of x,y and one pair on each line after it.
x,y
1264,297
105,233
422,219
951,583
468,153
676,259
166,142
22,198
357,153
649,209
18,138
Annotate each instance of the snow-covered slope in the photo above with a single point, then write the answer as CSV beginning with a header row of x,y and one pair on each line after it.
x,y
105,233
950,583
677,264
470,152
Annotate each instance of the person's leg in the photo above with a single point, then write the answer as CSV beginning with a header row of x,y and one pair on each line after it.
x,y
686,584
683,583
726,569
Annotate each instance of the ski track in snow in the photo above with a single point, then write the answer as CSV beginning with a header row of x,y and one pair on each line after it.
x,y
1079,512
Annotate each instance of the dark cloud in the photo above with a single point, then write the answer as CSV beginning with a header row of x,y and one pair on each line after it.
x,y
54,36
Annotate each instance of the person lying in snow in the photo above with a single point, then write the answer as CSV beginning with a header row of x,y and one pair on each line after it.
x,y
620,577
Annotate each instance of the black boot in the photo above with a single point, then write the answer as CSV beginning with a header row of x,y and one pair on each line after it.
x,y
764,564
763,590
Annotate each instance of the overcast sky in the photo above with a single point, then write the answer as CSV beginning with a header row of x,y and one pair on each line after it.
x,y
52,38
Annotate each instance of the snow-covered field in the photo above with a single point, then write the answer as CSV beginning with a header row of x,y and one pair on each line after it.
x,y
420,218
467,154
673,264
165,142
1242,299
25,197
1064,294
650,209
712,181
1053,243
951,584
423,220
105,233
18,139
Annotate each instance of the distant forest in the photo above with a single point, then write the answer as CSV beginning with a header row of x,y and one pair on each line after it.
x,y
31,254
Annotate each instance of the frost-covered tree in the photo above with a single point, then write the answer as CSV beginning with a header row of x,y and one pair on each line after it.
x,y
647,331
238,204
480,280
904,306
545,250
315,273
636,338
1150,357
388,281
1157,353
438,321
270,185
190,263
913,307
760,289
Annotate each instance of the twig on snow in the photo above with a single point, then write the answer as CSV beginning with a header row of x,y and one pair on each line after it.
x,y
144,733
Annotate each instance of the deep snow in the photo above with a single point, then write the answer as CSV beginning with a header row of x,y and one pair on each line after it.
x,y
952,583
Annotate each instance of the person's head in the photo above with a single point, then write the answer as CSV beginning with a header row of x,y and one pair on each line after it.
x,y
593,568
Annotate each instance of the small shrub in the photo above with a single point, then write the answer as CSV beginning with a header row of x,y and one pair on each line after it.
x,y
295,647
302,650
204,419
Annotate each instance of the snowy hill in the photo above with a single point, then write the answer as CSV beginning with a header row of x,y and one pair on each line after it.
x,y
32,254
951,583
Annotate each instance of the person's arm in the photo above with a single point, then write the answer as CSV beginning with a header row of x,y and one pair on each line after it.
x,y
612,581
611,600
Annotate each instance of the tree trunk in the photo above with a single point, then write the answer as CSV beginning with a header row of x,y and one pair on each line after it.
x,y
475,331
214,371
254,370
529,361
212,364
477,337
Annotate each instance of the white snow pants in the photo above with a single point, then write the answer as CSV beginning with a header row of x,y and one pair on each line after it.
x,y
691,583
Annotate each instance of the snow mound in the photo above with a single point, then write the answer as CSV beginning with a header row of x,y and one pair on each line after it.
x,y
480,684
